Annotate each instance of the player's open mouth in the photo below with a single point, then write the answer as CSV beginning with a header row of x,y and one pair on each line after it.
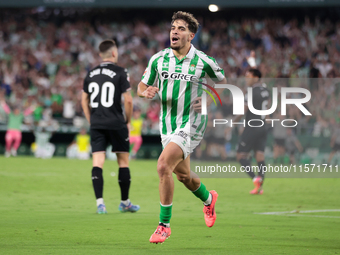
x,y
174,39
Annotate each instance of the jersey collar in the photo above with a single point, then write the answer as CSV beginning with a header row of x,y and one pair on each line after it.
x,y
107,62
258,84
191,53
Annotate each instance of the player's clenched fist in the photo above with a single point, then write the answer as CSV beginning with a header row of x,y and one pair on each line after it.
x,y
150,92
197,104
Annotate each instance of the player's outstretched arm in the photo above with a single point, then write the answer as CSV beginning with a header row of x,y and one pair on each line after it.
x,y
85,104
5,107
146,91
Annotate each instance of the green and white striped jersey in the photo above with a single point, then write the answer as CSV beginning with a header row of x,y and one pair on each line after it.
x,y
178,87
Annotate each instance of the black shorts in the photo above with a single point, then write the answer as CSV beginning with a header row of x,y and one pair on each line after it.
x,y
280,142
101,138
291,152
252,139
336,147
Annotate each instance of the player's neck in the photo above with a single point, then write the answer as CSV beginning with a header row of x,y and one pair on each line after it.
x,y
113,60
181,53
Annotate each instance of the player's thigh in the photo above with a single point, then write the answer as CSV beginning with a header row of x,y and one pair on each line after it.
x,y
170,157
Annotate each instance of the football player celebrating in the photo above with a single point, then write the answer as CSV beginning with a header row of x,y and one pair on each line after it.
x,y
172,73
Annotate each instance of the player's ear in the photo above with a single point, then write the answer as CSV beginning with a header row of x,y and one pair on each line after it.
x,y
191,36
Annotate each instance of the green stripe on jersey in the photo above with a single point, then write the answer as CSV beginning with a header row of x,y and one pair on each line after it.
x,y
187,97
153,74
175,93
201,124
199,94
208,69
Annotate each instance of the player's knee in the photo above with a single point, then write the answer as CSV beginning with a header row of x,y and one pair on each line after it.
x,y
163,168
239,156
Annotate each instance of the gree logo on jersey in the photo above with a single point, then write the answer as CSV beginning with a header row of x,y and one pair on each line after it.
x,y
178,76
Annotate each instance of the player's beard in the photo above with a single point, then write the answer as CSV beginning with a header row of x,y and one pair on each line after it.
x,y
176,48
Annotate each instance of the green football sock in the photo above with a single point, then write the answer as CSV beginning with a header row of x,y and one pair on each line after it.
x,y
202,193
165,214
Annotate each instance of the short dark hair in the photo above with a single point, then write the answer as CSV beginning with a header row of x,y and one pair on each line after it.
x,y
255,72
188,18
105,45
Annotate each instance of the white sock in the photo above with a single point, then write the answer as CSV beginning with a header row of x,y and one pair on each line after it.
x,y
256,178
125,202
167,225
209,200
100,201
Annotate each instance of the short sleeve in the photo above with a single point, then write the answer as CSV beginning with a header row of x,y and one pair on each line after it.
x,y
150,74
125,81
212,69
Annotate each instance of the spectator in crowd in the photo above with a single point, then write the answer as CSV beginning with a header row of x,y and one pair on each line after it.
x,y
136,131
80,148
292,144
42,146
15,120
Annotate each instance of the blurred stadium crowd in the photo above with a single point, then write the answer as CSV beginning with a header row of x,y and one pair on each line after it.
x,y
43,63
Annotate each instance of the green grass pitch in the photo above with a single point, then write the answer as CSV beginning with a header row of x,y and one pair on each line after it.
x,y
48,207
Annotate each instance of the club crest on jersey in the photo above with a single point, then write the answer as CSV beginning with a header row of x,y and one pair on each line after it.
x,y
178,76
192,68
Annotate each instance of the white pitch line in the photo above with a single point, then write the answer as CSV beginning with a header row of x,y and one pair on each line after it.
x,y
304,215
296,211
